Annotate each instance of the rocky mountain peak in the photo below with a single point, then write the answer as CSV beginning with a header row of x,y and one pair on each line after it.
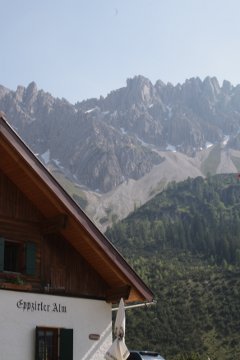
x,y
31,93
160,84
140,89
227,87
100,143
19,93
3,91
211,88
32,89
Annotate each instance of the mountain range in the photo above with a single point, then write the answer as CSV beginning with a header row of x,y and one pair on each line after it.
x,y
115,153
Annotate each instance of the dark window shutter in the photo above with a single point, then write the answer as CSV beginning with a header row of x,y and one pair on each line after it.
x,y
66,344
1,254
36,343
30,258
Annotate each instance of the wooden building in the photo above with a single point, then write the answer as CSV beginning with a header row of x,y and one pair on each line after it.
x,y
59,275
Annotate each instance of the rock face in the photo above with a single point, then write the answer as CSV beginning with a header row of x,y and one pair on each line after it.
x,y
100,143
76,139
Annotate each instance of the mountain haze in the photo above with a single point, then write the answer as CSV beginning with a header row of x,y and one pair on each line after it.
x,y
118,151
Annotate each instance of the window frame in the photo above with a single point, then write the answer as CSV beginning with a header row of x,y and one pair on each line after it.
x,y
55,343
62,343
26,257
11,266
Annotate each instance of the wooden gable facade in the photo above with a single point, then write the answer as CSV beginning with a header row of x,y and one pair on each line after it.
x,y
47,243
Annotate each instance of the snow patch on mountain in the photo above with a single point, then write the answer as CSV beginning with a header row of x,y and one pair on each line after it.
x,y
225,140
90,110
208,145
46,156
171,148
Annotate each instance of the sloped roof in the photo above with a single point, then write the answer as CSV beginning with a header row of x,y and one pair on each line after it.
x,y
19,163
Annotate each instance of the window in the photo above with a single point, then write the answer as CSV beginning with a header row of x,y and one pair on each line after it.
x,y
17,256
54,344
46,344
12,256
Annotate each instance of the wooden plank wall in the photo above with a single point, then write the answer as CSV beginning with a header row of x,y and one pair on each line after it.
x,y
60,269
19,221
13,204
69,272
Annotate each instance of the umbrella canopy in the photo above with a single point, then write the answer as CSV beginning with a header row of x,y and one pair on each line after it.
x,y
118,349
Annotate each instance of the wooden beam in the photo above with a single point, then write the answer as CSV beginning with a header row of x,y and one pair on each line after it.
x,y
114,295
54,224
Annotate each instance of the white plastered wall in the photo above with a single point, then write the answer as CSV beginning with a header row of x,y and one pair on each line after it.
x,y
18,323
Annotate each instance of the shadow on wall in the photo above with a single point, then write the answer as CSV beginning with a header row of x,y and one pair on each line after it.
x,y
99,348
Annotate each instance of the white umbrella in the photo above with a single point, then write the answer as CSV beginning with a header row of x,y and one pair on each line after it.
x,y
118,349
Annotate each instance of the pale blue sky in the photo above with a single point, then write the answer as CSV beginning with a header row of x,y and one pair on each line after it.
x,y
78,49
